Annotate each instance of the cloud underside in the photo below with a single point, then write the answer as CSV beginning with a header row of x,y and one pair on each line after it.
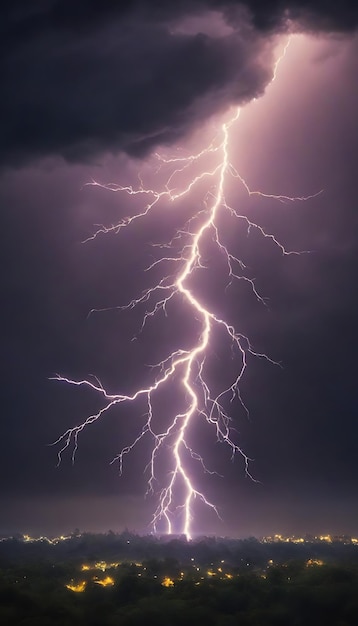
x,y
83,78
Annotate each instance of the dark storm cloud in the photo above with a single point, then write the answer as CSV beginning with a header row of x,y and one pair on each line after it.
x,y
273,14
81,78
124,86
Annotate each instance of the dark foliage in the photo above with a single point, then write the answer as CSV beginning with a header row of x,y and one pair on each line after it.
x,y
289,592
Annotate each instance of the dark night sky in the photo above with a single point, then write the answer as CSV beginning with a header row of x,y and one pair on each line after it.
x,y
90,91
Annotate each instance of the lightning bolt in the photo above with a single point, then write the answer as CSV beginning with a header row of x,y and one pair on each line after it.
x,y
188,366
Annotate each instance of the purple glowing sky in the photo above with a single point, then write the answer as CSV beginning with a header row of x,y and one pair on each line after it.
x,y
299,137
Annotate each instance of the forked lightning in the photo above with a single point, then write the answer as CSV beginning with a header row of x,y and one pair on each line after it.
x,y
180,491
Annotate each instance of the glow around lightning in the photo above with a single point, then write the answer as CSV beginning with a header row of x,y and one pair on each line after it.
x,y
176,499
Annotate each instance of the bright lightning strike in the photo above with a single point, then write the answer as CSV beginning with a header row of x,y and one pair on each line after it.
x,y
188,365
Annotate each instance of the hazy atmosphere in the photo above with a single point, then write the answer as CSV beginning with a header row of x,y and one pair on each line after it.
x,y
95,91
